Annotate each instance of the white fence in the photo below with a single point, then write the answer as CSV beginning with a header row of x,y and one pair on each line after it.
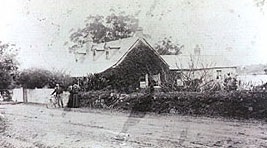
x,y
17,95
35,95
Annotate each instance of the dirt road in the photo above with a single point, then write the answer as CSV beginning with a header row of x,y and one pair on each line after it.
x,y
37,126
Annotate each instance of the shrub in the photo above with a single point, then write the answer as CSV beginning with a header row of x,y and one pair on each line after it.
x,y
39,78
93,98
93,82
234,104
230,84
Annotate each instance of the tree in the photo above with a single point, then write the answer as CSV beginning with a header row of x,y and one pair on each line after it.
x,y
39,78
58,77
103,29
8,64
34,78
197,77
167,47
259,3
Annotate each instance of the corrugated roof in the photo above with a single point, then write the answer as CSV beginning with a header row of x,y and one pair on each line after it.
x,y
196,61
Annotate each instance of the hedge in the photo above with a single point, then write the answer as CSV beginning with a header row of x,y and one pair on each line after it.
x,y
235,104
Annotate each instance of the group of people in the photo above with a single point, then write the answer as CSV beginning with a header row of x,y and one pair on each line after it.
x,y
73,101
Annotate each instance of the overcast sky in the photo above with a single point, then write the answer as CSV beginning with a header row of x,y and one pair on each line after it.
x,y
229,27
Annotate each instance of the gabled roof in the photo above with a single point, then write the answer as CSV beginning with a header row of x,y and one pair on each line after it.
x,y
144,42
186,62
96,59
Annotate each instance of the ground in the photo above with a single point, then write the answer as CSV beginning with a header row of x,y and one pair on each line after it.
x,y
38,126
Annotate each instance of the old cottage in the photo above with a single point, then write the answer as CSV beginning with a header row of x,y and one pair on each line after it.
x,y
129,63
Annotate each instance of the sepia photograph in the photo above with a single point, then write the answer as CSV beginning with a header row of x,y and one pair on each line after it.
x,y
133,74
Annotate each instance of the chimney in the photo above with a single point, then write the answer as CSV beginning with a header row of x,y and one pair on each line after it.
x,y
107,54
197,50
139,32
94,53
106,48
88,47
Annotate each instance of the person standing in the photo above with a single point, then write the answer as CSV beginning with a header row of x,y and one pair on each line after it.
x,y
70,101
58,91
75,98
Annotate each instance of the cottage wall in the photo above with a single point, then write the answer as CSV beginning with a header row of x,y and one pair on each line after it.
x,y
141,60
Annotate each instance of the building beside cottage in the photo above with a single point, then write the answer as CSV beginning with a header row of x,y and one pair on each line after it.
x,y
201,69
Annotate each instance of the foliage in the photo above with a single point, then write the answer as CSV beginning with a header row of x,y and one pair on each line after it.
x,y
260,4
93,98
6,80
60,78
34,78
8,64
194,80
234,104
39,78
167,47
93,82
103,29
230,84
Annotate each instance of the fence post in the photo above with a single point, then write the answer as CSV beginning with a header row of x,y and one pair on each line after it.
x,y
24,91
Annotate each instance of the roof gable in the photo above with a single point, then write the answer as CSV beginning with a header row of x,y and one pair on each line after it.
x,y
134,45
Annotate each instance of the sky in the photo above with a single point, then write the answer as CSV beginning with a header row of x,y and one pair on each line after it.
x,y
40,28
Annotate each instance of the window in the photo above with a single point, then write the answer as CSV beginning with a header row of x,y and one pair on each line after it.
x,y
156,80
143,81
179,82
219,74
178,77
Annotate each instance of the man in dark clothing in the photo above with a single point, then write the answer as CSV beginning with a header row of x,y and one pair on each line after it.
x,y
58,94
